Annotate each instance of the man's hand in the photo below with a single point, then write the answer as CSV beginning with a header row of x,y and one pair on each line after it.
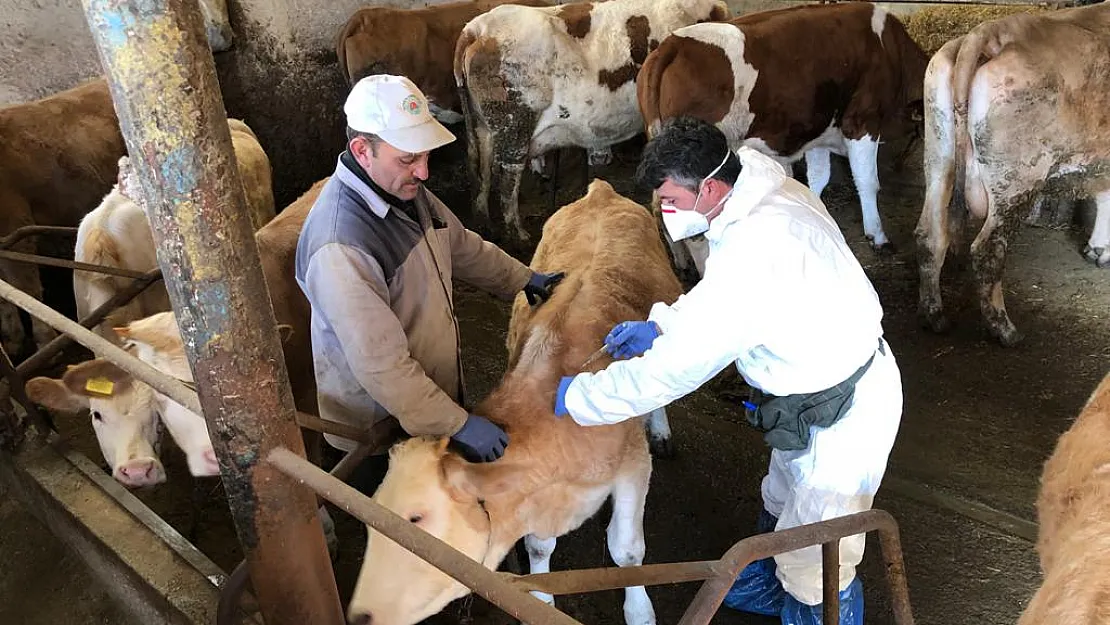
x,y
561,397
540,286
631,338
481,440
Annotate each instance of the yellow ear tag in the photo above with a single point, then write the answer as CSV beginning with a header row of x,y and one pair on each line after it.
x,y
100,386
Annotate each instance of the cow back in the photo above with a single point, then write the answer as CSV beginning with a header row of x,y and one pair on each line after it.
x,y
58,155
277,248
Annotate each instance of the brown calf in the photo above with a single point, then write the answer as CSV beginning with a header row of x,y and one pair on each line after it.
x,y
555,473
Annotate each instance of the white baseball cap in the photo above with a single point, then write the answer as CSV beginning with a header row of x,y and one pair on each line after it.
x,y
393,108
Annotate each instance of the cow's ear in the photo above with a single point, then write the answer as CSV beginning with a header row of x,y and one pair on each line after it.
x,y
468,481
96,378
55,396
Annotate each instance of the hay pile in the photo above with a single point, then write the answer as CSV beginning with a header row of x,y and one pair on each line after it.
x,y
932,27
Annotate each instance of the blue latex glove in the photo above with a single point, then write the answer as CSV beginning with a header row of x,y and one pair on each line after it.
x,y
481,440
540,286
631,338
561,396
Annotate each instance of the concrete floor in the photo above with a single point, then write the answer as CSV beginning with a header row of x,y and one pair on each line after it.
x,y
979,421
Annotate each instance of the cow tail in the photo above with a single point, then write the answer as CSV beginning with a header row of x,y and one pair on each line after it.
x,y
983,43
647,86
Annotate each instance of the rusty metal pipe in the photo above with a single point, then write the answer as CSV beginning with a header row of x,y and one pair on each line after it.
x,y
712,592
162,78
167,385
60,342
473,575
891,546
830,581
612,578
17,235
37,259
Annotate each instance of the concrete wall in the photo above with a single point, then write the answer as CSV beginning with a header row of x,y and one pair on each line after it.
x,y
45,47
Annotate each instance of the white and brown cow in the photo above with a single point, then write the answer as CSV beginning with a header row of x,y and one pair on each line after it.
x,y
533,80
416,43
804,81
1018,107
555,474
117,234
125,412
1073,538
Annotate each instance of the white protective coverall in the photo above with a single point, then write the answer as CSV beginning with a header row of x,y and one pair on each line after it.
x,y
786,300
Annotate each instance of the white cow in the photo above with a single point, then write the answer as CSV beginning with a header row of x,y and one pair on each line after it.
x,y
535,79
1015,108
117,234
125,412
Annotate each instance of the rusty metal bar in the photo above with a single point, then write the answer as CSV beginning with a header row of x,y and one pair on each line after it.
x,y
50,261
830,581
712,592
45,353
167,385
162,78
611,578
17,235
473,575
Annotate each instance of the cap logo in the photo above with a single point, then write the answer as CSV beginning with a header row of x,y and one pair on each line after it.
x,y
411,105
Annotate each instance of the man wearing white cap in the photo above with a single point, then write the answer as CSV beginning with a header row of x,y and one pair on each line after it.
x,y
376,259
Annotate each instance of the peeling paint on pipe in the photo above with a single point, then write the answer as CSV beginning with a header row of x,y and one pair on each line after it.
x,y
163,83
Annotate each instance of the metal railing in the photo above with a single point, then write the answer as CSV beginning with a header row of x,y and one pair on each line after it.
x,y
511,592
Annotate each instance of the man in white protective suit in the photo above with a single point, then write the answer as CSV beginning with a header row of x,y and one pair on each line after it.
x,y
783,298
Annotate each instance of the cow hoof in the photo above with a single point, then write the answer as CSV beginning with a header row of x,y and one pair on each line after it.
x,y
884,249
1005,332
661,446
600,158
936,321
1092,253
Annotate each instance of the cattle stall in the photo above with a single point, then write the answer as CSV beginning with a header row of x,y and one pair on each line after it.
x,y
163,84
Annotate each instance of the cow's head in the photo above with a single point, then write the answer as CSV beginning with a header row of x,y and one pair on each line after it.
x,y
436,490
122,413
156,340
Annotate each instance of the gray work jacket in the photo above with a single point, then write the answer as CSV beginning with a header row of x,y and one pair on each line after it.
x,y
384,334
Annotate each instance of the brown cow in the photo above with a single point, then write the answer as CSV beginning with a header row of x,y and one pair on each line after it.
x,y
555,474
416,43
1074,531
58,158
804,81
1018,107
539,79
125,418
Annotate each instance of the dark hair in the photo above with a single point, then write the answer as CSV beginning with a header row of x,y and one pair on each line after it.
x,y
374,140
685,150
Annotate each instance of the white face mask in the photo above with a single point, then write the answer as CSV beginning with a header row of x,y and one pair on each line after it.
x,y
682,224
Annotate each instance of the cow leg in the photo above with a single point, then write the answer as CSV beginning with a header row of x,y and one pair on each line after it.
x,y
626,539
862,158
818,169
935,228
25,277
698,246
988,259
510,141
478,158
1098,246
659,433
539,561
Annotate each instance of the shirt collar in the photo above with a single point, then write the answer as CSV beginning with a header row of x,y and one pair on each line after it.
x,y
350,179
760,175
